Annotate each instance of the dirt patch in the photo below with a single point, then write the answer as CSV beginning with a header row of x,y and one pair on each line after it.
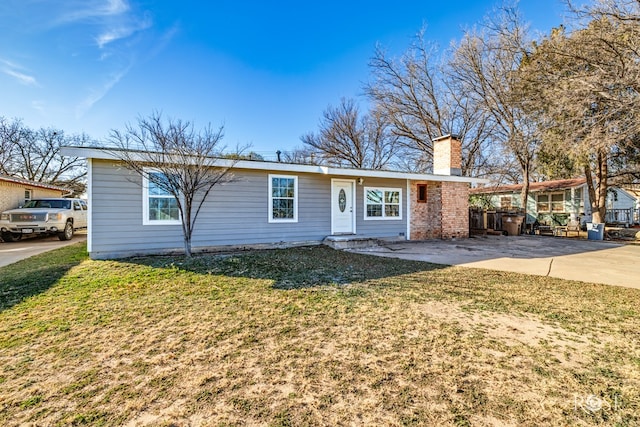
x,y
511,331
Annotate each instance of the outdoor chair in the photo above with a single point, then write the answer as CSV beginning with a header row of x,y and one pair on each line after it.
x,y
572,225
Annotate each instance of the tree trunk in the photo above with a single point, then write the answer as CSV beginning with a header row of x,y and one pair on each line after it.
x,y
597,191
524,195
187,247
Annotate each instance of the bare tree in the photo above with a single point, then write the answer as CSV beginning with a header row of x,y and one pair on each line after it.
x,y
348,138
35,155
485,66
177,159
588,90
301,155
416,96
9,137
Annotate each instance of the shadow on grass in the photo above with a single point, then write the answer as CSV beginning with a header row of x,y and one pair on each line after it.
x,y
294,268
35,275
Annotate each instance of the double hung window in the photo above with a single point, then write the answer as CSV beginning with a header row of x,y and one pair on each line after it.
x,y
159,205
283,198
383,203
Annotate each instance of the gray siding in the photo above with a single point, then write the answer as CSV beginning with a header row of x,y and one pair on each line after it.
x,y
379,227
236,213
624,200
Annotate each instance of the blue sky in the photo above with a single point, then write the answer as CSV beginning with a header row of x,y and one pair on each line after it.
x,y
266,70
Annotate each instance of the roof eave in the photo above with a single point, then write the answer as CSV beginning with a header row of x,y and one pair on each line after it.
x,y
107,154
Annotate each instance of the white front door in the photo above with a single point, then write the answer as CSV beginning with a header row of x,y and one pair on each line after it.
x,y
343,213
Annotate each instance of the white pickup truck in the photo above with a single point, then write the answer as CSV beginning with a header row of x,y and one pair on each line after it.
x,y
44,216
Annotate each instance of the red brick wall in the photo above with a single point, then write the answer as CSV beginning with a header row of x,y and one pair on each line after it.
x,y
445,215
426,221
455,210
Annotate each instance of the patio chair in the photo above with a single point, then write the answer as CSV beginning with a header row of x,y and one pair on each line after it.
x,y
573,225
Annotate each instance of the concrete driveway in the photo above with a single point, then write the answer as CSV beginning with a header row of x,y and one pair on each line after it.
x,y
587,261
16,251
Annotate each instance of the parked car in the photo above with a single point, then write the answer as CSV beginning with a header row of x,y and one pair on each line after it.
x,y
61,217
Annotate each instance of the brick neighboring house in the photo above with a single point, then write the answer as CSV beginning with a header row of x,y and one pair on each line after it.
x,y
271,203
15,192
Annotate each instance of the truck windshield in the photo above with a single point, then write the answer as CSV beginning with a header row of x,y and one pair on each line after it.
x,y
51,204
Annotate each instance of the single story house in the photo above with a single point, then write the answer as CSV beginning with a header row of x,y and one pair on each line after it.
x,y
270,203
15,192
556,202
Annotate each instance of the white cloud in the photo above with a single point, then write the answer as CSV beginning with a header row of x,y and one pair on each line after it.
x,y
88,9
16,71
165,40
122,31
97,94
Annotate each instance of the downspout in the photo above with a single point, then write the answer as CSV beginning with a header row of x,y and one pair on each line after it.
x,y
89,206
408,201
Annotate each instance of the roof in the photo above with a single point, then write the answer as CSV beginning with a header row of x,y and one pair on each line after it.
x,y
22,181
633,190
543,186
111,154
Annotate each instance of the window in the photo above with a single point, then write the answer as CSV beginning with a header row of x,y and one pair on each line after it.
x,y
160,207
422,193
557,202
283,198
382,203
506,202
543,203
553,202
27,195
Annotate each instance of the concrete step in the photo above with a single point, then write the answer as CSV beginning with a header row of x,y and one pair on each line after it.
x,y
350,241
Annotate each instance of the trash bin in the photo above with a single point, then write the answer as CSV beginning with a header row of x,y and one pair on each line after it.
x,y
595,231
511,224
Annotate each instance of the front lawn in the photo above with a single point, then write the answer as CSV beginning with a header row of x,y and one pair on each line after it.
x,y
310,336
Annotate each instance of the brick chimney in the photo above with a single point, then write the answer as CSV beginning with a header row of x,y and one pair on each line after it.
x,y
447,155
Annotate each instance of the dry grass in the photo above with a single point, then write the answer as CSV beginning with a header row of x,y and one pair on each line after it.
x,y
310,336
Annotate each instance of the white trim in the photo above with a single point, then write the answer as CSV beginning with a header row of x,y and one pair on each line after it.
x,y
111,154
383,217
145,202
89,206
295,199
409,202
353,203
549,195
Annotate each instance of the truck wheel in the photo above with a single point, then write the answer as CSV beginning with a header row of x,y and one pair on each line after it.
x,y
67,233
11,237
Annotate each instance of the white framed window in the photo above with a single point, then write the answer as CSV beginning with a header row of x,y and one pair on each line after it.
x,y
27,195
557,202
159,207
506,202
543,203
283,198
553,202
382,203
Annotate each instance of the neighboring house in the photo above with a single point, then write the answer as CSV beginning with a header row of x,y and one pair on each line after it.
x,y
556,202
277,203
622,206
16,192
